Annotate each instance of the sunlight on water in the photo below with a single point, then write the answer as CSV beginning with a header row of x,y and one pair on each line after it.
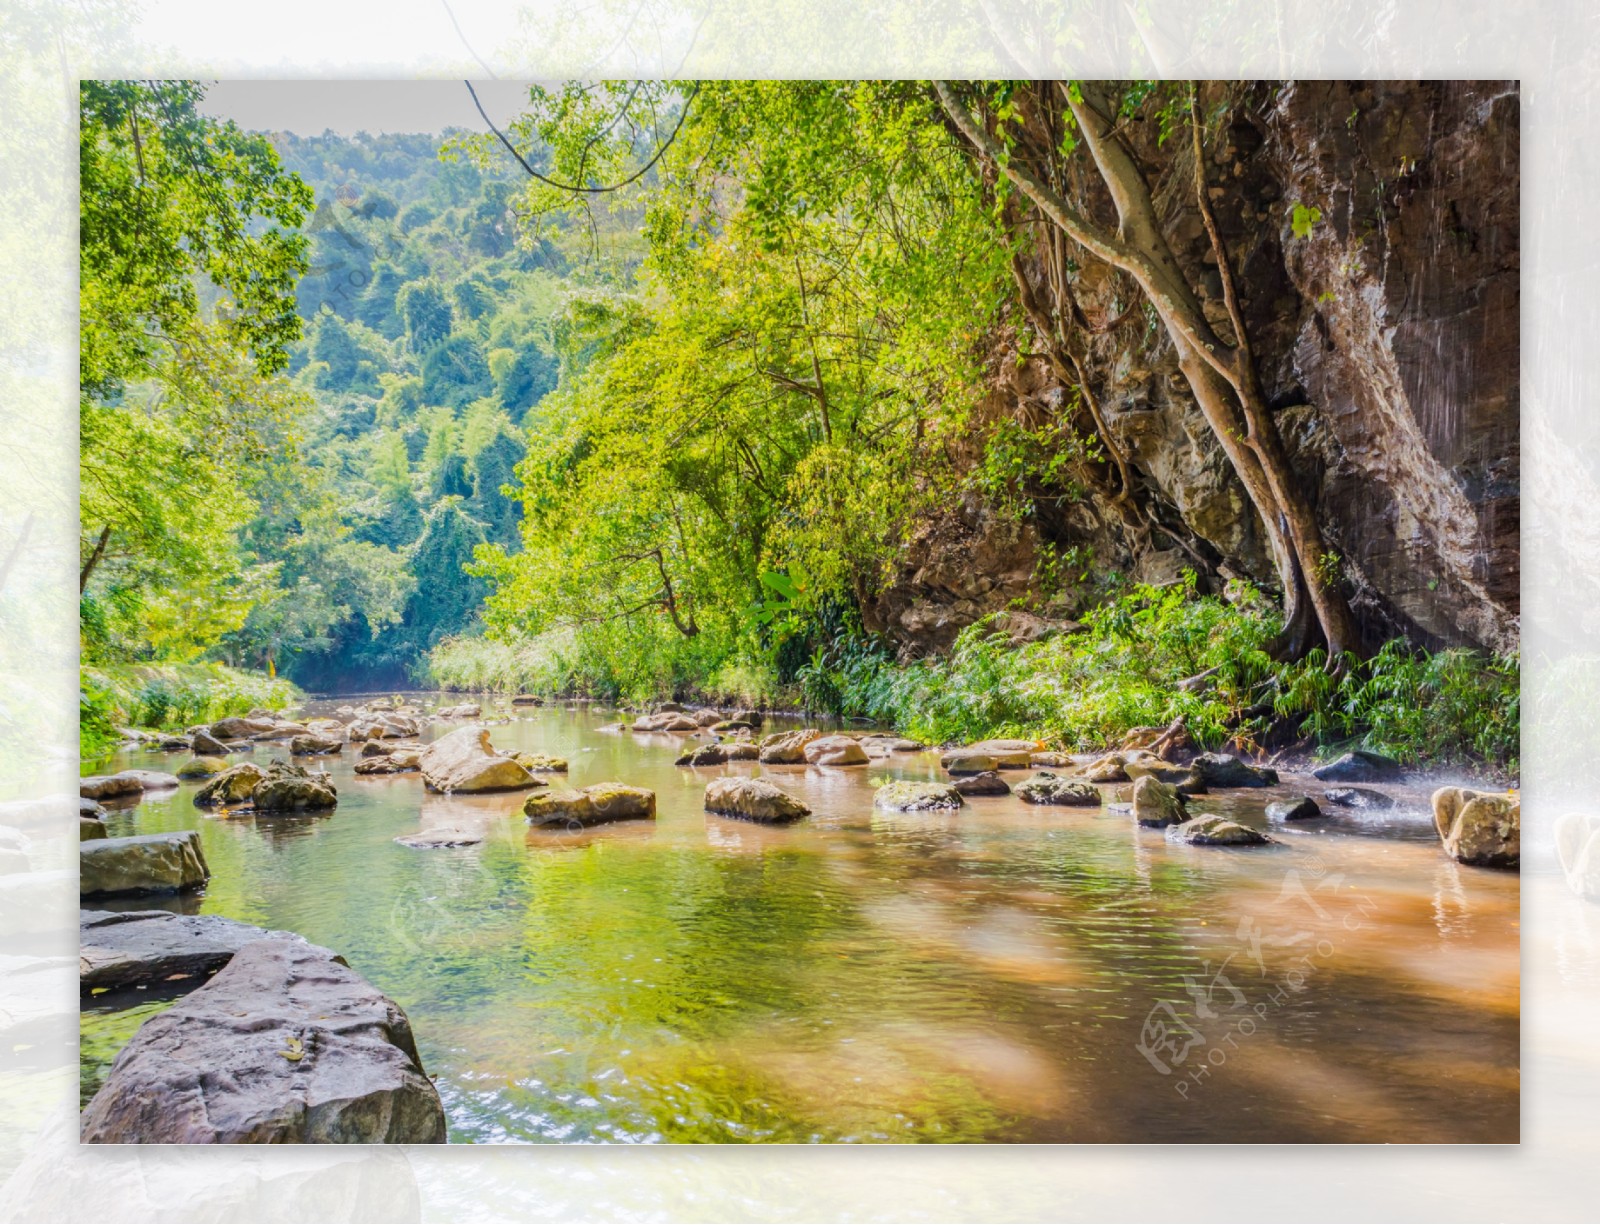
x,y
992,975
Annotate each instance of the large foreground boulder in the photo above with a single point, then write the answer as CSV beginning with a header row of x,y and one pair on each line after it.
x,y
906,796
753,799
286,1045
594,805
144,863
1481,828
835,751
1046,788
466,762
787,748
128,948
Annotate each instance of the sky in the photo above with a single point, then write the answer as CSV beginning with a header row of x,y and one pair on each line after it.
x,y
308,108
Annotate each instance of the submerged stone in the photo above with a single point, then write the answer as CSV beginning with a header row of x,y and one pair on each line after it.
x,y
1357,797
1216,831
594,805
905,796
1360,766
988,782
1296,808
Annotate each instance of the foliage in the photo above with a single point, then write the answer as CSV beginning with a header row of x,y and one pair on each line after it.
x,y
169,697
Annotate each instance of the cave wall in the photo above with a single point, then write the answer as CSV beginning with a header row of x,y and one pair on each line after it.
x,y
1387,340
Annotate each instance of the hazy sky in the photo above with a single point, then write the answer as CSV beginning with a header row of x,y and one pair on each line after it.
x,y
311,107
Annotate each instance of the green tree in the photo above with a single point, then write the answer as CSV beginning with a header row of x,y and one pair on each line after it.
x,y
426,312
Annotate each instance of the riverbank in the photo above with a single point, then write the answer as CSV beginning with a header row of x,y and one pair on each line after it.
x,y
166,697
1149,657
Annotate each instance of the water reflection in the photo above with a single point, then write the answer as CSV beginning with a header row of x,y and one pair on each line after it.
x,y
976,975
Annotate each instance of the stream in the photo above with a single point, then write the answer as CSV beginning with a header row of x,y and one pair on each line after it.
x,y
1001,973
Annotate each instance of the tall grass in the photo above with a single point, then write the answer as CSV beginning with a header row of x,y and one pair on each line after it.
x,y
166,697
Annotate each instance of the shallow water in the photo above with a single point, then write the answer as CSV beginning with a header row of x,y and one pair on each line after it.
x,y
1005,973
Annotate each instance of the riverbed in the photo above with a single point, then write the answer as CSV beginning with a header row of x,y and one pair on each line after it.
x,y
1001,973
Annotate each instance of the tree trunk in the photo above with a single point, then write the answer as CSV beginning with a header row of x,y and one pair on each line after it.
x,y
94,558
1221,377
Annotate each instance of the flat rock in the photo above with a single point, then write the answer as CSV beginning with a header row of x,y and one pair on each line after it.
x,y
1359,766
958,764
1051,761
753,799
286,1045
465,761
1157,804
594,805
666,721
1216,831
1480,828
1357,797
835,751
904,796
1295,808
144,863
1045,788
241,728
1146,765
152,780
988,782
124,948
109,786
1006,754
787,748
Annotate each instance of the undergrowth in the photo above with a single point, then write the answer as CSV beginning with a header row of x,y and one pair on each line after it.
x,y
166,697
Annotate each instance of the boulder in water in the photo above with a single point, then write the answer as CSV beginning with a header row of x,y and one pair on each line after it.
x,y
110,786
286,1045
1213,830
835,751
1296,808
1006,754
987,782
144,863
465,761
1480,828
541,763
202,767
1157,804
1359,766
753,799
235,785
286,788
958,764
787,748
89,828
241,727
1046,788
703,755
906,796
204,744
313,744
1226,770
1357,797
594,805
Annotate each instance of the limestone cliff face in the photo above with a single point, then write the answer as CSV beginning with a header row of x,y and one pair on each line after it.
x,y
1387,338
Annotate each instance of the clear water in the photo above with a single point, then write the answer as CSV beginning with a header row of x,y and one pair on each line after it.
x,y
1004,973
